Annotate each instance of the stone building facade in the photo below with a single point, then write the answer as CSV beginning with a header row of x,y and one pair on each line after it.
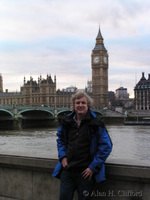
x,y
39,93
142,93
32,93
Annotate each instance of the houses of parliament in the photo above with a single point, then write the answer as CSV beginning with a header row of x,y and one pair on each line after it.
x,y
43,91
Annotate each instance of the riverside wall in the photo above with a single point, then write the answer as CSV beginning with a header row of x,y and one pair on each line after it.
x,y
27,178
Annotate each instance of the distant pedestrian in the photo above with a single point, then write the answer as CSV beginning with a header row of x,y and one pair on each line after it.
x,y
83,147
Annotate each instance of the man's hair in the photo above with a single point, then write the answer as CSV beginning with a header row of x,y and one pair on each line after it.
x,y
79,95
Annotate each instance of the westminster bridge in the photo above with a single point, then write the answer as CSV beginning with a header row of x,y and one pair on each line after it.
x,y
17,117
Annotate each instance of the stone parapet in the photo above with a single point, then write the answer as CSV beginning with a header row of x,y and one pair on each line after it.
x,y
27,178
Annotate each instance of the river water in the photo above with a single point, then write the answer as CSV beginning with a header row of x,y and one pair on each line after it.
x,y
131,144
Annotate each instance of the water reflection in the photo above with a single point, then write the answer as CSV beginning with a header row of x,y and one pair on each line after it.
x,y
130,143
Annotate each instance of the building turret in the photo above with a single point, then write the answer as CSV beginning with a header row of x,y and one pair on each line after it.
x,y
1,83
24,80
142,93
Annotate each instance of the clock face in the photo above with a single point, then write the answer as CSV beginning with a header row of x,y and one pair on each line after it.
x,y
96,59
105,59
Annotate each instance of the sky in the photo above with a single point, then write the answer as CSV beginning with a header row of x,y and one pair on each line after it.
x,y
40,37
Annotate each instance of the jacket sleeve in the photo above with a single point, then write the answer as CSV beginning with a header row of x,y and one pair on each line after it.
x,y
101,147
61,142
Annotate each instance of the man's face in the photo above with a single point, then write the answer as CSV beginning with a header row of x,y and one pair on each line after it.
x,y
81,106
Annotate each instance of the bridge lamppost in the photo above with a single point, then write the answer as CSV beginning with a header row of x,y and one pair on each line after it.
x,y
15,107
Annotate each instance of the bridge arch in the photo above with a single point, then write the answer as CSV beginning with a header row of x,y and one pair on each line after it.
x,y
63,112
36,117
6,119
32,112
6,114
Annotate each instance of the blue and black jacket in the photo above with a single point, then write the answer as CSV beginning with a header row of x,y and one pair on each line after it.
x,y
100,146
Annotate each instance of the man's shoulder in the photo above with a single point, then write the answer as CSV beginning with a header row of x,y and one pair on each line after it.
x,y
96,121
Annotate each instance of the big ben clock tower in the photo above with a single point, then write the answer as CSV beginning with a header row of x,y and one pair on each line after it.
x,y
99,62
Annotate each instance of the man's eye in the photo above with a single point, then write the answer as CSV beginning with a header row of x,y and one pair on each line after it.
x,y
80,102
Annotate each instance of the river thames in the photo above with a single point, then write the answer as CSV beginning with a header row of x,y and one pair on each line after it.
x,y
130,143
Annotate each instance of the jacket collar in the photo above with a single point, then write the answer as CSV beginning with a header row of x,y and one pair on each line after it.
x,y
94,121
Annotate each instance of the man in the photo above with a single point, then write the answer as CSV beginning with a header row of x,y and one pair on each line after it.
x,y
83,146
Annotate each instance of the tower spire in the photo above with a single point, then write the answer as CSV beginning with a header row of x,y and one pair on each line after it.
x,y
99,35
99,42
